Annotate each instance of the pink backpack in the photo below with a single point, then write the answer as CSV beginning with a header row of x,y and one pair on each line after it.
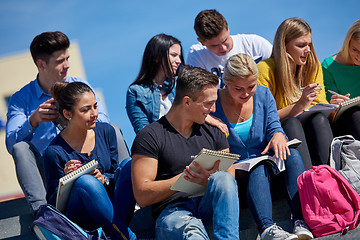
x,y
329,204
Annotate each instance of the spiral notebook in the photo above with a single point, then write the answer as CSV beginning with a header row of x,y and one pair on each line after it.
x,y
206,158
344,106
66,182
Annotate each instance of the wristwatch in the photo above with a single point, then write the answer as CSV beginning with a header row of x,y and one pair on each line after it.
x,y
107,181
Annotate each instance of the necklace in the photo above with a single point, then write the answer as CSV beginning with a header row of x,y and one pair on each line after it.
x,y
226,96
242,118
238,114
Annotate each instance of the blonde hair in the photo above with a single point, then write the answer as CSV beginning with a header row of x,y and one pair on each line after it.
x,y
289,83
352,34
239,66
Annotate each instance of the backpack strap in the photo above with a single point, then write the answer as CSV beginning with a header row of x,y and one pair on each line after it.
x,y
336,148
351,150
123,150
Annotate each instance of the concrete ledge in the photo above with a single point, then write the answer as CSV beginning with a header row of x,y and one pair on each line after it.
x,y
16,220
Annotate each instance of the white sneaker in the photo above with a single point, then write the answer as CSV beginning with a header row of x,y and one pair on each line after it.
x,y
277,233
302,230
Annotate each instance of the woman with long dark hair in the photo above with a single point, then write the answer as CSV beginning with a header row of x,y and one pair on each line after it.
x,y
152,93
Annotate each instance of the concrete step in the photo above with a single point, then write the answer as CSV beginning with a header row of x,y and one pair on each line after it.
x,y
16,220
281,216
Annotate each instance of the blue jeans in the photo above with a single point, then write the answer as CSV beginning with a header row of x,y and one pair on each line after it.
x,y
29,171
90,206
258,190
215,214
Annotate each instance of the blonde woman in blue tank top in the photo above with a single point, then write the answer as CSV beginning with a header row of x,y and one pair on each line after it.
x,y
250,113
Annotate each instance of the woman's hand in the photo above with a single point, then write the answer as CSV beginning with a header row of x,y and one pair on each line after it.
x,y
309,93
216,122
71,165
200,175
338,98
279,143
97,174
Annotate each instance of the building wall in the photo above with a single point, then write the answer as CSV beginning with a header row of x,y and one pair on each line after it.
x,y
16,70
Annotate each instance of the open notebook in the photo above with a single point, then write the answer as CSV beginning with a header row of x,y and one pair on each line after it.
x,y
206,158
66,182
247,165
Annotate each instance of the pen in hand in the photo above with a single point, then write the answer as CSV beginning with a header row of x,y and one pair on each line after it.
x,y
302,88
337,98
335,93
332,92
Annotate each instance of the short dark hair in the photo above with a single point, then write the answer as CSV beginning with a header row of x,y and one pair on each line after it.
x,y
46,43
68,94
209,24
191,82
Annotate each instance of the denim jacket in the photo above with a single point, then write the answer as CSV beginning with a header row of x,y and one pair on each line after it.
x,y
265,123
143,103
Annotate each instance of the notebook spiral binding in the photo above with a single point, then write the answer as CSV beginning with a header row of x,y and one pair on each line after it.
x,y
219,153
79,170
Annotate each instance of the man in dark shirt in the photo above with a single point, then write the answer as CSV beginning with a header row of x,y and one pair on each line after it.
x,y
164,149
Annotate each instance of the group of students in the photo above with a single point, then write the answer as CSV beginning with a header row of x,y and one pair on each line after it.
x,y
223,101
260,104
42,154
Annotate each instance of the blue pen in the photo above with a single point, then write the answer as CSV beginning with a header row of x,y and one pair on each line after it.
x,y
335,93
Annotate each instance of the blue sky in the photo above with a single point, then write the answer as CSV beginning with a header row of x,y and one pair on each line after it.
x,y
112,34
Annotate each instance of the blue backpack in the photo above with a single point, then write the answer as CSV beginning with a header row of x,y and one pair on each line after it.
x,y
51,224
